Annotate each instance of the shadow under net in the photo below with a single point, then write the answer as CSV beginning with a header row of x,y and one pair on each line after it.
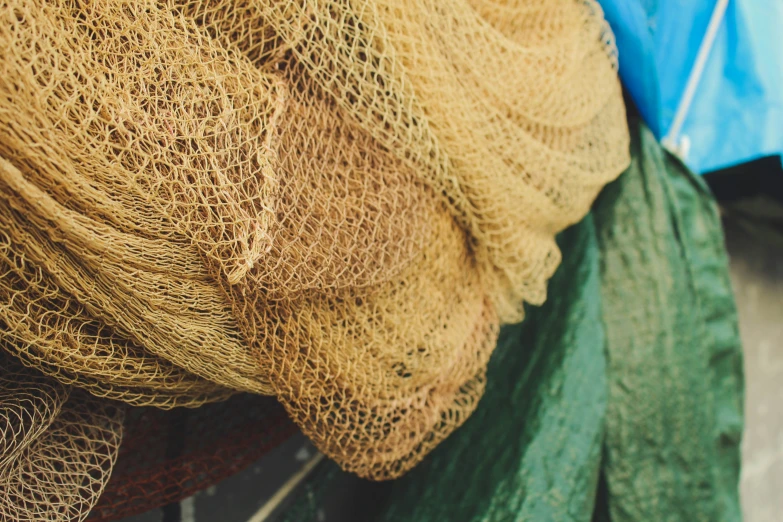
x,y
167,456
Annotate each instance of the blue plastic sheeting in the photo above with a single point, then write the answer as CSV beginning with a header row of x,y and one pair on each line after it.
x,y
737,111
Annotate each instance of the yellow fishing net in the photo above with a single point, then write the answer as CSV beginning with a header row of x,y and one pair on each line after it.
x,y
58,447
335,202
511,109
29,403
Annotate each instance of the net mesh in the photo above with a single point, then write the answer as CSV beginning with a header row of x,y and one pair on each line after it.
x,y
29,403
167,456
113,293
49,330
97,194
411,359
335,202
60,447
511,109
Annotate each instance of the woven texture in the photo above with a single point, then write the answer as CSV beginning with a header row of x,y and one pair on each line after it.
x,y
336,203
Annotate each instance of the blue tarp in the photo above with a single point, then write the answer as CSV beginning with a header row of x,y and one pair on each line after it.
x,y
737,111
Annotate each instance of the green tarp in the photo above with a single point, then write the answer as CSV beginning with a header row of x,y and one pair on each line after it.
x,y
618,400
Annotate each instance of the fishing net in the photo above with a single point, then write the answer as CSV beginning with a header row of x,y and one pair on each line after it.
x,y
29,402
167,456
58,449
42,274
58,446
511,109
53,332
410,368
335,202
124,257
411,402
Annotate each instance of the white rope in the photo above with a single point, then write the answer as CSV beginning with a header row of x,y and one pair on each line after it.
x,y
262,514
672,139
188,509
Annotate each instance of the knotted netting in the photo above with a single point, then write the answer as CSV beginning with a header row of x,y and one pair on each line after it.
x,y
333,202
59,447
510,109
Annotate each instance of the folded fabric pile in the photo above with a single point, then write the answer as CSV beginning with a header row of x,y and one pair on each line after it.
x,y
335,203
